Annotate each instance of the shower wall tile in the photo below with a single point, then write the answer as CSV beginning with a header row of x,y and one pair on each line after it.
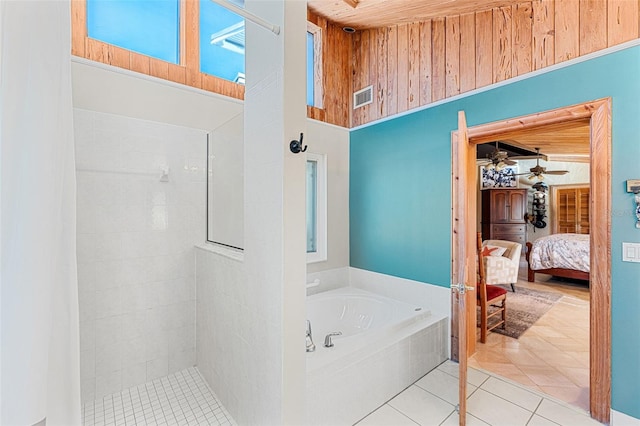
x,y
135,239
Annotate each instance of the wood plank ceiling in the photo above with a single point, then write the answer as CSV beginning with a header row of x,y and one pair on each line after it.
x,y
382,13
569,141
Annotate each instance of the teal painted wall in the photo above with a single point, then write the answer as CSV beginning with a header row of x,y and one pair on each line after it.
x,y
400,190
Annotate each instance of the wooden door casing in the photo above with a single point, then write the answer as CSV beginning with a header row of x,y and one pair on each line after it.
x,y
599,115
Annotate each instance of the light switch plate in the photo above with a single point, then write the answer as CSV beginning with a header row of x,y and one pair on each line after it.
x,y
631,252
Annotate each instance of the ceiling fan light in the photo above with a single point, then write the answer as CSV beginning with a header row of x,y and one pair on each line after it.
x,y
489,166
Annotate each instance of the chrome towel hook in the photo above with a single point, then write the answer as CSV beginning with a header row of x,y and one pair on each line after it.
x,y
296,146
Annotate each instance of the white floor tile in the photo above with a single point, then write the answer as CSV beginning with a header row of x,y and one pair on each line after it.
x,y
386,416
443,385
474,376
512,393
536,420
449,367
454,420
421,406
172,400
563,415
495,410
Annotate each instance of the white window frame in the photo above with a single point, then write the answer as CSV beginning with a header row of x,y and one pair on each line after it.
x,y
320,255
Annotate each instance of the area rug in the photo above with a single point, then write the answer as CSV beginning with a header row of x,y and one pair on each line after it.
x,y
524,308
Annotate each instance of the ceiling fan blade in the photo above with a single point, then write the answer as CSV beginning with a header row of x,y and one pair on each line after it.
x,y
352,3
523,157
509,162
556,172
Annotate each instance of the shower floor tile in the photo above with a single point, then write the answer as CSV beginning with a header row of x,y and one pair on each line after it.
x,y
182,398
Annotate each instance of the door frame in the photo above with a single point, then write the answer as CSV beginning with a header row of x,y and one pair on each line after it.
x,y
599,114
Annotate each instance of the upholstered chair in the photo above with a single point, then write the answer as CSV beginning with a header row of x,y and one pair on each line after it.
x,y
501,261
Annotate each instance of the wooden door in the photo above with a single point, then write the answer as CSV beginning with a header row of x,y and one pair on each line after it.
x,y
463,275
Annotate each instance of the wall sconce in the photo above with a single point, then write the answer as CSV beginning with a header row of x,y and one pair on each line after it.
x,y
165,174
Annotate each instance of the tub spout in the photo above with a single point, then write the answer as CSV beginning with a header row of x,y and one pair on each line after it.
x,y
311,347
327,340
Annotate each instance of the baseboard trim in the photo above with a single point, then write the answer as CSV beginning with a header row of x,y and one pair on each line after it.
x,y
621,419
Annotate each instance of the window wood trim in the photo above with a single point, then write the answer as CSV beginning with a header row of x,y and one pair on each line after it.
x,y
187,72
318,83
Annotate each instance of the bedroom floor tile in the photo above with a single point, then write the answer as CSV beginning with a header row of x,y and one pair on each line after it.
x,y
553,355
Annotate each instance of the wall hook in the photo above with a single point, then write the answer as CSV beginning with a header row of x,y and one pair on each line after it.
x,y
296,146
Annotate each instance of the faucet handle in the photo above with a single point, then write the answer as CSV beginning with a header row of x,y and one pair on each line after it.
x,y
327,340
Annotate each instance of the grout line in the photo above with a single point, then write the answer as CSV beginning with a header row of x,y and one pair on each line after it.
x,y
394,408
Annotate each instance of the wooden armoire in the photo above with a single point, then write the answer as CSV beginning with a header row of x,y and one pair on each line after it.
x,y
571,206
503,212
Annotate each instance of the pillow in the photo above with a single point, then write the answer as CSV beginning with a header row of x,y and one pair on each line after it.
x,y
490,250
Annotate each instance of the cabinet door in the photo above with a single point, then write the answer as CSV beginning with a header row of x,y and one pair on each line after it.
x,y
500,206
517,206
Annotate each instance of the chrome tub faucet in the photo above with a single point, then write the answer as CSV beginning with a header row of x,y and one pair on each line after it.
x,y
327,340
311,347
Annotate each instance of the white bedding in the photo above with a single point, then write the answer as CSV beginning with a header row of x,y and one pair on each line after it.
x,y
569,251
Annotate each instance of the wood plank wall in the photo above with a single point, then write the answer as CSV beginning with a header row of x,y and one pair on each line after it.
x,y
336,74
411,65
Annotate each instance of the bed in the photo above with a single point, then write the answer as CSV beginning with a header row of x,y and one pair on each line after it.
x,y
561,255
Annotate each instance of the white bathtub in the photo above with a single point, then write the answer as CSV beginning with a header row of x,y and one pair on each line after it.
x,y
385,346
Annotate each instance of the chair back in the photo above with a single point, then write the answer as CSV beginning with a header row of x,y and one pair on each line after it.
x,y
482,284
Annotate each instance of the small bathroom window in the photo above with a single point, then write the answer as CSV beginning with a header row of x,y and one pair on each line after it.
x,y
316,208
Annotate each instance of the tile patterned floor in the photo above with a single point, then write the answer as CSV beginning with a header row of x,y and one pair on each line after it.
x,y
491,400
182,398
553,355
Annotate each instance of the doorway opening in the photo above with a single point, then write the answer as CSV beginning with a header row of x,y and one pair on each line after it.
x,y
545,346
464,227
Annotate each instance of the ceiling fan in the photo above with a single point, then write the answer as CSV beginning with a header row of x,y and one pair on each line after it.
x,y
539,171
498,160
